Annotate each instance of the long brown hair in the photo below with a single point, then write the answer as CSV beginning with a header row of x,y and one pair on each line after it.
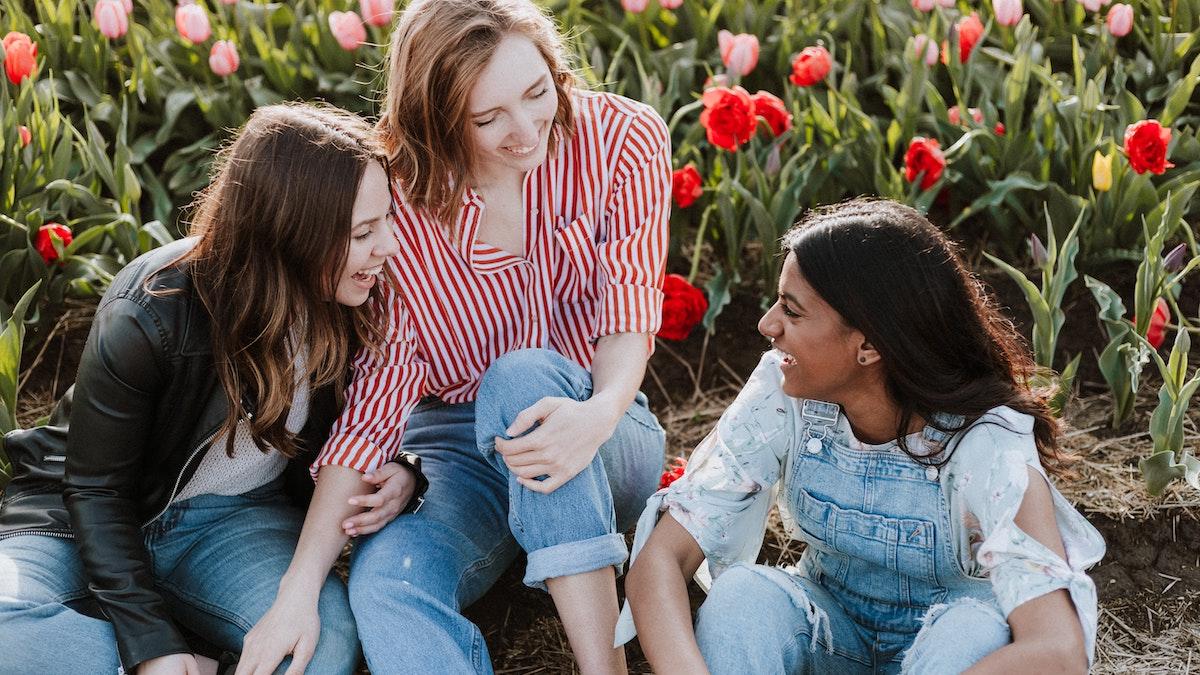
x,y
274,231
439,48
945,345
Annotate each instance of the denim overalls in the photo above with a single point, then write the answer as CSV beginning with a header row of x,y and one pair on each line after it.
x,y
880,556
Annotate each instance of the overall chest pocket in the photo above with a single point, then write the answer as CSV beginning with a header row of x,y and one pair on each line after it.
x,y
905,546
575,260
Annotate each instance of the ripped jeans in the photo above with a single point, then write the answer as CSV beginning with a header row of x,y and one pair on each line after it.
x,y
794,622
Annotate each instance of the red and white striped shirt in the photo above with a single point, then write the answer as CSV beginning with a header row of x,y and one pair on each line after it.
x,y
596,232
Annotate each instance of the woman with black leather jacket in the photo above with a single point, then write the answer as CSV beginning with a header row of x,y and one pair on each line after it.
x,y
209,381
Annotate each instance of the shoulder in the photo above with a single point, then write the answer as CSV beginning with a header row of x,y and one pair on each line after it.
x,y
601,112
1000,445
763,407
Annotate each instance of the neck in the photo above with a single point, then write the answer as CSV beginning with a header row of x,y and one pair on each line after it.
x,y
874,416
500,179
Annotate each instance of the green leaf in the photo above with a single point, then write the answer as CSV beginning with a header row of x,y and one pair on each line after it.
x,y
11,340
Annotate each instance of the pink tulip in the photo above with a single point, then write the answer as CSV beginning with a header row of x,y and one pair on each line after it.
x,y
376,12
670,4
348,29
1008,12
926,49
110,18
223,58
947,4
192,23
1120,19
739,52
924,5
127,5
229,2
635,6
1094,5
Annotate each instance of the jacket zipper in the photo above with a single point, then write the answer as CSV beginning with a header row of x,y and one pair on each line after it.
x,y
34,530
175,490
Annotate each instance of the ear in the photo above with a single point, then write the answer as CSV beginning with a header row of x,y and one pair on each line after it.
x,y
867,354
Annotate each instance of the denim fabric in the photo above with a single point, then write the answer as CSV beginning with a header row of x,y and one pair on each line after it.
x,y
217,561
420,570
879,573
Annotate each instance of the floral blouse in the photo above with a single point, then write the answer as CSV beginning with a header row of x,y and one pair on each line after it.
x,y
724,497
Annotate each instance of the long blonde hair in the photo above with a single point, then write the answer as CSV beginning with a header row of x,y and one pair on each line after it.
x,y
274,231
439,48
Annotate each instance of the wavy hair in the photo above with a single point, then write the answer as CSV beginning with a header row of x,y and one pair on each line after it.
x,y
439,48
945,346
273,230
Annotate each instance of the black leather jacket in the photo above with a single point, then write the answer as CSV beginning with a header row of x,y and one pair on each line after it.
x,y
145,408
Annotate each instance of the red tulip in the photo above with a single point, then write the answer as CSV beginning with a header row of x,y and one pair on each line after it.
x,y
20,56
670,4
969,29
26,137
728,117
999,128
1146,146
686,186
111,19
673,473
46,237
683,307
810,66
772,109
739,52
377,12
924,156
347,29
223,58
192,23
1156,333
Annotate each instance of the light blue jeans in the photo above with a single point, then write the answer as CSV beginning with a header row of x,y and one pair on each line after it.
x,y
217,562
409,581
879,588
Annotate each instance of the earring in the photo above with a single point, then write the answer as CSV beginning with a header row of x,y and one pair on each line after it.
x,y
862,360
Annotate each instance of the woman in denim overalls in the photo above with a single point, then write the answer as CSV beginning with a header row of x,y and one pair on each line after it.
x,y
894,422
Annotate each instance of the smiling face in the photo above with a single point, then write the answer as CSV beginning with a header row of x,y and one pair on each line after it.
x,y
371,239
821,352
511,110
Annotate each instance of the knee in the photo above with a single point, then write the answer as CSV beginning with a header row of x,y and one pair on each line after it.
x,y
538,372
727,611
955,636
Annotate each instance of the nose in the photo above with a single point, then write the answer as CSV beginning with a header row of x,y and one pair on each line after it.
x,y
526,131
768,325
386,244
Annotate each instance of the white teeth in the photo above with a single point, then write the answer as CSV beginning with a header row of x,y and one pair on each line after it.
x,y
370,272
520,151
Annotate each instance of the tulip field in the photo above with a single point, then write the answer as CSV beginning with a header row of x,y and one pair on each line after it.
x,y
1055,140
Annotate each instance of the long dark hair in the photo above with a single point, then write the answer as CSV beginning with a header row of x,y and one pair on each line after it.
x,y
274,231
945,346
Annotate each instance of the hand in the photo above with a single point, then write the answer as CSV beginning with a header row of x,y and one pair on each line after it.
x,y
394,484
564,443
291,626
171,664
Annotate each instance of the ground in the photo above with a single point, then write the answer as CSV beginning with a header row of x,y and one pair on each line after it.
x,y
1149,581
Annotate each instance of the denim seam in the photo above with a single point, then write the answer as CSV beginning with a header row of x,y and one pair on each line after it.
x,y
198,603
477,565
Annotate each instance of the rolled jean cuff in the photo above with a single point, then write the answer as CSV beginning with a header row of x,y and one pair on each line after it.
x,y
574,557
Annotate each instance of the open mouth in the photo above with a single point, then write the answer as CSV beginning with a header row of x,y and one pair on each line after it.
x,y
367,276
521,150
788,359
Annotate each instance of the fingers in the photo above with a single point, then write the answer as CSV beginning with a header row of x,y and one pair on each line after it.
x,y
369,501
382,474
370,521
300,657
542,486
532,415
534,470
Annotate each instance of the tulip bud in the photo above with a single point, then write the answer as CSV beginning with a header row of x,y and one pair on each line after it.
x,y
20,56
634,6
1037,250
670,4
45,239
24,134
223,58
924,5
347,29
1120,20
192,23
110,17
925,49
376,12
1094,5
739,52
1174,261
1102,172
1008,12
127,5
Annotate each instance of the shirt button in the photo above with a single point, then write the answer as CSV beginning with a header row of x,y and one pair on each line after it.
x,y
813,446
931,472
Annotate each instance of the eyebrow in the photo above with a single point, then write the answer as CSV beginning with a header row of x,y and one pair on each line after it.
x,y
369,221
540,81
791,301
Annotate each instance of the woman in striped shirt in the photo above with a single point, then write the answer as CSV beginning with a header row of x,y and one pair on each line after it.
x,y
532,219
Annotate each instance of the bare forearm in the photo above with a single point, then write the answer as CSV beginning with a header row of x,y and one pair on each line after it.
x,y
658,596
1034,657
322,539
617,371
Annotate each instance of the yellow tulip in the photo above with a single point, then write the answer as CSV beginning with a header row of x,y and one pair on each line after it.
x,y
1102,172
